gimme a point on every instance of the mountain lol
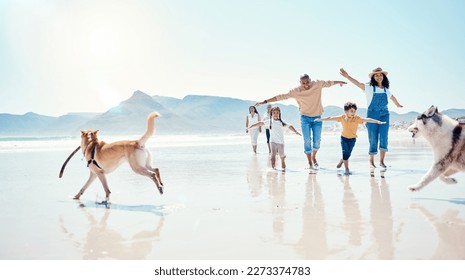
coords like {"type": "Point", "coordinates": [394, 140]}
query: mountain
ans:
{"type": "Point", "coordinates": [31, 124]}
{"type": "Point", "coordinates": [197, 114]}
{"type": "Point", "coordinates": [130, 117]}
{"type": "Point", "coordinates": [220, 114]}
{"type": "Point", "coordinates": [454, 113]}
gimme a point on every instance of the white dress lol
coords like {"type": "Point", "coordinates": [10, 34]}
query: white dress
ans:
{"type": "Point", "coordinates": [253, 132]}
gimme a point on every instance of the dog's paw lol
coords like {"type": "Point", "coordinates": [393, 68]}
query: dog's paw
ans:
{"type": "Point", "coordinates": [414, 188]}
{"type": "Point", "coordinates": [449, 180]}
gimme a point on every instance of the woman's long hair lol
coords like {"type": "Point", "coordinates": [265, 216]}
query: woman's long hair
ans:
{"type": "Point", "coordinates": [254, 110]}
{"type": "Point", "coordinates": [385, 81]}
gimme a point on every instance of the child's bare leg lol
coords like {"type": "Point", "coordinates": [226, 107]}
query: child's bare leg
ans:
{"type": "Point", "coordinates": [273, 161]}
{"type": "Point", "coordinates": [283, 162]}
{"type": "Point", "coordinates": [346, 166]}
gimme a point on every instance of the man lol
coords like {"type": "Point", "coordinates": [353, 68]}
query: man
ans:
{"type": "Point", "coordinates": [267, 116]}
{"type": "Point", "coordinates": [308, 97]}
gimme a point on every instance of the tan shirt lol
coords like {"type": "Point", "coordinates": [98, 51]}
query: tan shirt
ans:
{"type": "Point", "coordinates": [309, 100]}
{"type": "Point", "coordinates": [349, 125]}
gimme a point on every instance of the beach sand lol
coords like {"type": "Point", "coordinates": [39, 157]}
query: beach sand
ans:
{"type": "Point", "coordinates": [222, 202]}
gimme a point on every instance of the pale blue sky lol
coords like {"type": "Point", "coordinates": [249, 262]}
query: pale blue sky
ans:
{"type": "Point", "coordinates": [59, 56]}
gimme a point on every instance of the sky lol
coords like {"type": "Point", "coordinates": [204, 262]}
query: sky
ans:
{"type": "Point", "coordinates": [60, 56]}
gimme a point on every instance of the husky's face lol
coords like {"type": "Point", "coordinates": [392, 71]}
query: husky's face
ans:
{"type": "Point", "coordinates": [426, 122]}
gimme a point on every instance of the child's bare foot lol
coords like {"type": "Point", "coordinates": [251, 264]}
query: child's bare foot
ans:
{"type": "Point", "coordinates": [340, 164]}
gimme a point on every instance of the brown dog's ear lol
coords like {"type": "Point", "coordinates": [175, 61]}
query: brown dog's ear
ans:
{"type": "Point", "coordinates": [83, 132]}
{"type": "Point", "coordinates": [96, 131]}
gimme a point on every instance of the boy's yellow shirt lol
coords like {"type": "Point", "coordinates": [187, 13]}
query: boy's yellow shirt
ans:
{"type": "Point", "coordinates": [349, 125]}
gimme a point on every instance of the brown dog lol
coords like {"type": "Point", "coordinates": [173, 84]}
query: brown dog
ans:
{"type": "Point", "coordinates": [103, 158]}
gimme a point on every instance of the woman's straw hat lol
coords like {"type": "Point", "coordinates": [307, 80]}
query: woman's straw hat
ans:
{"type": "Point", "coordinates": [377, 70]}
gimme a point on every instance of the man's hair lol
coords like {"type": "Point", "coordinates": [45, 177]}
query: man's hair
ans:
{"type": "Point", "coordinates": [350, 105]}
{"type": "Point", "coordinates": [304, 77]}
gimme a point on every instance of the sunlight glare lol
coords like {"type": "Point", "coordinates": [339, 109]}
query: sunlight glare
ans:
{"type": "Point", "coordinates": [104, 43]}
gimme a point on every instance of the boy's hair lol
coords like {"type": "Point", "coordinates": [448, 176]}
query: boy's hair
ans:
{"type": "Point", "coordinates": [350, 105]}
{"type": "Point", "coordinates": [271, 115]}
{"type": "Point", "coordinates": [304, 77]}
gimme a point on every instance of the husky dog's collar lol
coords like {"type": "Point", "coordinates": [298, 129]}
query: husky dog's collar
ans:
{"type": "Point", "coordinates": [92, 155]}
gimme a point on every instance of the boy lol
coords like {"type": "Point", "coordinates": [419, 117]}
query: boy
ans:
{"type": "Point", "coordinates": [350, 122]}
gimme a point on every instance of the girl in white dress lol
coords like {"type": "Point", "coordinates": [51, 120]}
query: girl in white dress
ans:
{"type": "Point", "coordinates": [253, 117]}
{"type": "Point", "coordinates": [276, 126]}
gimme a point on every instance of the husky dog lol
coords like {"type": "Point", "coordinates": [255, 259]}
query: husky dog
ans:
{"type": "Point", "coordinates": [447, 138]}
{"type": "Point", "coordinates": [103, 158]}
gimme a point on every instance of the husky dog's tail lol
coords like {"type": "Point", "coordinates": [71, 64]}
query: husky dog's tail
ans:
{"type": "Point", "coordinates": [150, 128]}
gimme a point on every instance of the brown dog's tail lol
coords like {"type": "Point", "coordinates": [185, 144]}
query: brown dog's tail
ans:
{"type": "Point", "coordinates": [150, 128]}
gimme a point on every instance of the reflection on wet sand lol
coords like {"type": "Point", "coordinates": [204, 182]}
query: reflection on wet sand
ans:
{"type": "Point", "coordinates": [450, 231]}
{"type": "Point", "coordinates": [313, 242]}
{"type": "Point", "coordinates": [353, 217]}
{"type": "Point", "coordinates": [277, 190]}
{"type": "Point", "coordinates": [102, 242]}
{"type": "Point", "coordinates": [381, 220]}
{"type": "Point", "coordinates": [254, 177]}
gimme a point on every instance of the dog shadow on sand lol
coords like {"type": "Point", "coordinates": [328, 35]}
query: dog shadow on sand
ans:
{"type": "Point", "coordinates": [157, 210]}
{"type": "Point", "coordinates": [449, 227]}
{"type": "Point", "coordinates": [104, 240]}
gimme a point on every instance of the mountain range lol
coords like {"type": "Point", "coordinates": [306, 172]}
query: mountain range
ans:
{"type": "Point", "coordinates": [193, 114]}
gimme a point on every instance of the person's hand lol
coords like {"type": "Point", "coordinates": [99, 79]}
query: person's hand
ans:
{"type": "Point", "coordinates": [344, 73]}
{"type": "Point", "coordinates": [342, 83]}
{"type": "Point", "coordinates": [258, 104]}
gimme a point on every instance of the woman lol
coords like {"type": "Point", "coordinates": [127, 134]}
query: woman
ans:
{"type": "Point", "coordinates": [377, 93]}
{"type": "Point", "coordinates": [253, 117]}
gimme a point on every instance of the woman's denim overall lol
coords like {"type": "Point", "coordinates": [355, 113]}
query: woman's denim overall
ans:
{"type": "Point", "coordinates": [378, 110]}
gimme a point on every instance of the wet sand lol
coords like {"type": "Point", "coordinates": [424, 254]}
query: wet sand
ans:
{"type": "Point", "coordinates": [222, 202]}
